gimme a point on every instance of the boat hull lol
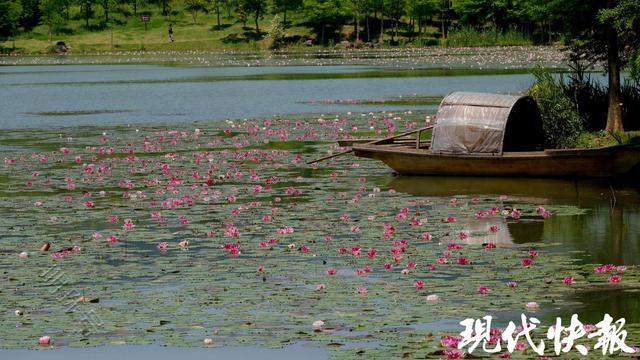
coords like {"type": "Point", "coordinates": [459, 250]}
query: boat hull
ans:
{"type": "Point", "coordinates": [613, 161]}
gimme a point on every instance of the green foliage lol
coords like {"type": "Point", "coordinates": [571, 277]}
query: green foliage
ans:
{"type": "Point", "coordinates": [560, 119]}
{"type": "Point", "coordinates": [193, 7]}
{"type": "Point", "coordinates": [10, 11]}
{"type": "Point", "coordinates": [257, 8]}
{"type": "Point", "coordinates": [51, 15]}
{"type": "Point", "coordinates": [634, 67]}
{"type": "Point", "coordinates": [468, 36]}
{"type": "Point", "coordinates": [276, 32]}
{"type": "Point", "coordinates": [327, 17]}
{"type": "Point", "coordinates": [591, 99]}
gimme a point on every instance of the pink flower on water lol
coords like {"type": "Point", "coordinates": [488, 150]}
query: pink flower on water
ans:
{"type": "Point", "coordinates": [362, 290]}
{"type": "Point", "coordinates": [89, 204]}
{"type": "Point", "coordinates": [451, 219]}
{"type": "Point", "coordinates": [526, 262]}
{"type": "Point", "coordinates": [332, 271]}
{"type": "Point", "coordinates": [372, 253]}
{"type": "Point", "coordinates": [483, 289]}
{"type": "Point", "coordinates": [304, 249]}
{"type": "Point", "coordinates": [112, 240]}
{"type": "Point", "coordinates": [568, 280]}
{"type": "Point", "coordinates": [418, 284]}
{"type": "Point", "coordinates": [163, 246]}
{"type": "Point", "coordinates": [489, 245]}
{"type": "Point", "coordinates": [426, 236]}
{"type": "Point", "coordinates": [494, 228]}
{"type": "Point", "coordinates": [450, 341]}
{"type": "Point", "coordinates": [44, 341]}
{"type": "Point", "coordinates": [320, 287]}
{"type": "Point", "coordinates": [463, 235]}
{"type": "Point", "coordinates": [516, 214]}
{"type": "Point", "coordinates": [128, 224]}
{"type": "Point", "coordinates": [512, 284]}
{"type": "Point", "coordinates": [355, 251]}
{"type": "Point", "coordinates": [463, 261]}
{"type": "Point", "coordinates": [388, 266]}
{"type": "Point", "coordinates": [615, 279]}
{"type": "Point", "coordinates": [345, 217]}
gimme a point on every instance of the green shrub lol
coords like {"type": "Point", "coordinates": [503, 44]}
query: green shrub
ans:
{"type": "Point", "coordinates": [560, 119]}
{"type": "Point", "coordinates": [468, 36]}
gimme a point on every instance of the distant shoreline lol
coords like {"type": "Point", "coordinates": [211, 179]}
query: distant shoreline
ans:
{"type": "Point", "coordinates": [488, 57]}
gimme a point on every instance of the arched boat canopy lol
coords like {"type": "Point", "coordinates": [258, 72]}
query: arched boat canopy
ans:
{"type": "Point", "coordinates": [487, 124]}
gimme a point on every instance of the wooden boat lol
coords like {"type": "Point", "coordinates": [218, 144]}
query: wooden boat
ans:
{"type": "Point", "coordinates": [494, 135]}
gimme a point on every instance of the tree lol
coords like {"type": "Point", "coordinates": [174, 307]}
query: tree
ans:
{"type": "Point", "coordinates": [422, 10]}
{"type": "Point", "coordinates": [604, 31]}
{"type": "Point", "coordinates": [193, 7]}
{"type": "Point", "coordinates": [51, 14]}
{"type": "Point", "coordinates": [10, 12]}
{"type": "Point", "coordinates": [106, 7]}
{"type": "Point", "coordinates": [327, 17]}
{"type": "Point", "coordinates": [359, 8]}
{"type": "Point", "coordinates": [86, 8]}
{"type": "Point", "coordinates": [446, 12]}
{"type": "Point", "coordinates": [30, 16]}
{"type": "Point", "coordinates": [622, 27]}
{"type": "Point", "coordinates": [217, 9]}
{"type": "Point", "coordinates": [257, 8]}
{"type": "Point", "coordinates": [286, 5]}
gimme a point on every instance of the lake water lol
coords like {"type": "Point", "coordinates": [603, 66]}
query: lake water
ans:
{"type": "Point", "coordinates": [44, 96]}
{"type": "Point", "coordinates": [607, 230]}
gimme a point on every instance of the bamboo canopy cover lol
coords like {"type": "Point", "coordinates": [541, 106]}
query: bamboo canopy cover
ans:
{"type": "Point", "coordinates": [487, 124]}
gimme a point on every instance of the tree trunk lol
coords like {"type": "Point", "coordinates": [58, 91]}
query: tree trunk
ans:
{"type": "Point", "coordinates": [357, 29]}
{"type": "Point", "coordinates": [218, 13]}
{"type": "Point", "coordinates": [368, 31]}
{"type": "Point", "coordinates": [105, 4]}
{"type": "Point", "coordinates": [614, 115]}
{"type": "Point", "coordinates": [257, 26]}
{"type": "Point", "coordinates": [382, 24]}
{"type": "Point", "coordinates": [87, 13]}
{"type": "Point", "coordinates": [135, 7]}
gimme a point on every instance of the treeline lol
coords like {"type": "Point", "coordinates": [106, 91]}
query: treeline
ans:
{"type": "Point", "coordinates": [541, 21]}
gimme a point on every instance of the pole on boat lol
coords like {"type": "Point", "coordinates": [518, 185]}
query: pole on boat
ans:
{"type": "Point", "coordinates": [329, 157]}
{"type": "Point", "coordinates": [376, 141]}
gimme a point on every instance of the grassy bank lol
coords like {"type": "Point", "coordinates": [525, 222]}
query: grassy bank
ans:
{"type": "Point", "coordinates": [125, 31]}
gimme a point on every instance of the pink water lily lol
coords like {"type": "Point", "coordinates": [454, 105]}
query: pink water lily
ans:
{"type": "Point", "coordinates": [163, 246]}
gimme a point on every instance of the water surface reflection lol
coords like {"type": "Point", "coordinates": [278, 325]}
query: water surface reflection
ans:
{"type": "Point", "coordinates": [607, 232]}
